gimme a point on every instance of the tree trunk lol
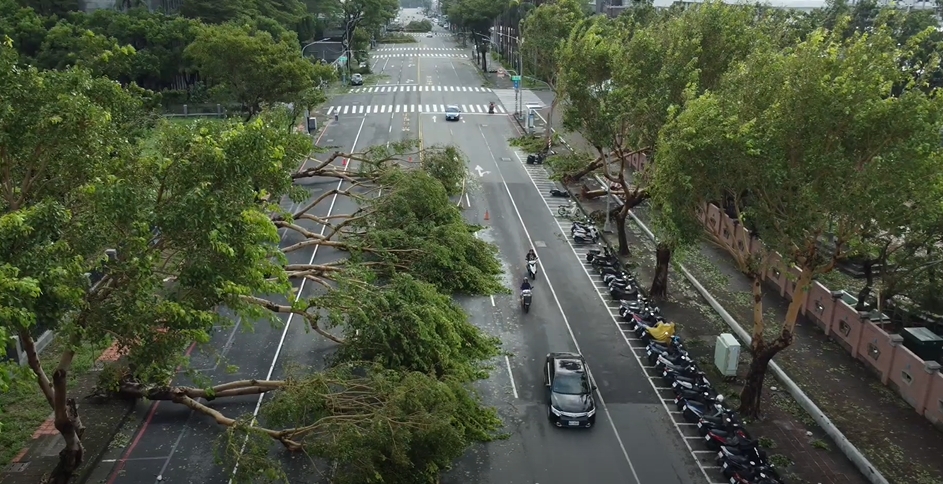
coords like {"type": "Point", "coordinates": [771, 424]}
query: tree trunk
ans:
{"type": "Point", "coordinates": [553, 106]}
{"type": "Point", "coordinates": [865, 292]}
{"type": "Point", "coordinates": [594, 165]}
{"type": "Point", "coordinates": [659, 287]}
{"type": "Point", "coordinates": [69, 424]}
{"type": "Point", "coordinates": [752, 393]}
{"type": "Point", "coordinates": [620, 230]}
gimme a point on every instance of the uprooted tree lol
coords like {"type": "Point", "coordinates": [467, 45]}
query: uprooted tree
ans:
{"type": "Point", "coordinates": [814, 151]}
{"type": "Point", "coordinates": [155, 230]}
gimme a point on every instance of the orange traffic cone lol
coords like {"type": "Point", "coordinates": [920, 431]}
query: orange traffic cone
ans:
{"type": "Point", "coordinates": [486, 215]}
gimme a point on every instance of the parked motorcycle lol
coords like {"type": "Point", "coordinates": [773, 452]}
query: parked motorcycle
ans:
{"type": "Point", "coordinates": [737, 447]}
{"type": "Point", "coordinates": [526, 297]}
{"type": "Point", "coordinates": [675, 359]}
{"type": "Point", "coordinates": [596, 254]}
{"type": "Point", "coordinates": [661, 333]}
{"type": "Point", "coordinates": [716, 438]}
{"type": "Point", "coordinates": [556, 192]}
{"type": "Point", "coordinates": [532, 269]}
{"type": "Point", "coordinates": [586, 237]}
{"type": "Point", "coordinates": [692, 409]}
{"type": "Point", "coordinates": [672, 348]}
{"type": "Point", "coordinates": [686, 397]}
{"type": "Point", "coordinates": [745, 469]}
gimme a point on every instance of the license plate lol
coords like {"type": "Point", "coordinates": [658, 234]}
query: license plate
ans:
{"type": "Point", "coordinates": [699, 425]}
{"type": "Point", "coordinates": [649, 352]}
{"type": "Point", "coordinates": [707, 437]}
{"type": "Point", "coordinates": [733, 481]}
{"type": "Point", "coordinates": [720, 454]}
{"type": "Point", "coordinates": [573, 423]}
{"type": "Point", "coordinates": [684, 408]}
{"type": "Point", "coordinates": [725, 465]}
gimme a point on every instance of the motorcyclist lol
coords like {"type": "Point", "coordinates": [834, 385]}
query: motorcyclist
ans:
{"type": "Point", "coordinates": [491, 108]}
{"type": "Point", "coordinates": [531, 255]}
{"type": "Point", "coordinates": [525, 286]}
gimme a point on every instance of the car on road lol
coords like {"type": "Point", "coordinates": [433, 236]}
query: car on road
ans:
{"type": "Point", "coordinates": [570, 401]}
{"type": "Point", "coordinates": [452, 113]}
{"type": "Point", "coordinates": [356, 80]}
{"type": "Point", "coordinates": [429, 35]}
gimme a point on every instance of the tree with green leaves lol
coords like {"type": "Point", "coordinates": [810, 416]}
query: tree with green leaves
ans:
{"type": "Point", "coordinates": [814, 152]}
{"type": "Point", "coordinates": [474, 18]}
{"type": "Point", "coordinates": [545, 31]}
{"type": "Point", "coordinates": [252, 67]}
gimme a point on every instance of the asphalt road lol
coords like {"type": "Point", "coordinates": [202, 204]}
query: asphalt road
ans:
{"type": "Point", "coordinates": [632, 441]}
{"type": "Point", "coordinates": [172, 444]}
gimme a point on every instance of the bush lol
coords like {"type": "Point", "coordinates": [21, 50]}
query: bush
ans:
{"type": "Point", "coordinates": [398, 38]}
{"type": "Point", "coordinates": [420, 26]}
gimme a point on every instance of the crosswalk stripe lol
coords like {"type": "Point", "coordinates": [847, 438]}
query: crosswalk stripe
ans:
{"type": "Point", "coordinates": [410, 108]}
{"type": "Point", "coordinates": [414, 88]}
{"type": "Point", "coordinates": [419, 54]}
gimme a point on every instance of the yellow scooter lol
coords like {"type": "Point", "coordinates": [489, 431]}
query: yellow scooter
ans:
{"type": "Point", "coordinates": [661, 333]}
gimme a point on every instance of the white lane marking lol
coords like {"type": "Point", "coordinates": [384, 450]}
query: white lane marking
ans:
{"type": "Point", "coordinates": [616, 321]}
{"type": "Point", "coordinates": [467, 200]}
{"type": "Point", "coordinates": [492, 301]}
{"type": "Point", "coordinates": [281, 341]}
{"type": "Point", "coordinates": [511, 374]}
{"type": "Point", "coordinates": [566, 322]}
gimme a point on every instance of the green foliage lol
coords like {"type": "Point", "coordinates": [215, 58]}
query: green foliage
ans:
{"type": "Point", "coordinates": [418, 26]}
{"type": "Point", "coordinates": [546, 29]}
{"type": "Point", "coordinates": [250, 66]}
{"type": "Point", "coordinates": [406, 325]}
{"type": "Point", "coordinates": [422, 233]}
{"type": "Point", "coordinates": [377, 425]}
{"type": "Point", "coordinates": [398, 38]}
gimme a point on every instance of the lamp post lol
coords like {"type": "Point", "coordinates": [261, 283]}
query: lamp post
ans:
{"type": "Point", "coordinates": [606, 228]}
{"type": "Point", "coordinates": [312, 43]}
{"type": "Point", "coordinates": [518, 97]}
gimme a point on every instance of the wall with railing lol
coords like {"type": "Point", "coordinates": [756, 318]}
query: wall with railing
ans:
{"type": "Point", "coordinates": [919, 382]}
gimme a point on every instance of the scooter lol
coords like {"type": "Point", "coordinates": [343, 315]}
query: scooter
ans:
{"type": "Point", "coordinates": [622, 276]}
{"type": "Point", "coordinates": [686, 397]}
{"type": "Point", "coordinates": [491, 108]}
{"type": "Point", "coordinates": [590, 237]}
{"type": "Point", "coordinates": [692, 410]}
{"type": "Point", "coordinates": [718, 437]}
{"type": "Point", "coordinates": [748, 468]}
{"type": "Point", "coordinates": [676, 359]}
{"type": "Point", "coordinates": [737, 447]}
{"type": "Point", "coordinates": [584, 227]}
{"type": "Point", "coordinates": [596, 254]}
{"type": "Point", "coordinates": [661, 332]}
{"type": "Point", "coordinates": [695, 381]}
{"type": "Point", "coordinates": [556, 192]}
{"type": "Point", "coordinates": [526, 297]}
{"type": "Point", "coordinates": [536, 159]}
{"type": "Point", "coordinates": [532, 269]}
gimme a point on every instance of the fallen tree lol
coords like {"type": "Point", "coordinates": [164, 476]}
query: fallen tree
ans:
{"type": "Point", "coordinates": [151, 235]}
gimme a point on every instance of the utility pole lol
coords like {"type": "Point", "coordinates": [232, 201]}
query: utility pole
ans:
{"type": "Point", "coordinates": [606, 227]}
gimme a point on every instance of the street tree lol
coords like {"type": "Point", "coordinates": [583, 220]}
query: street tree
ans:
{"type": "Point", "coordinates": [545, 31]}
{"type": "Point", "coordinates": [813, 151]}
{"type": "Point", "coordinates": [474, 18]}
{"type": "Point", "coordinates": [660, 68]}
{"type": "Point", "coordinates": [251, 66]}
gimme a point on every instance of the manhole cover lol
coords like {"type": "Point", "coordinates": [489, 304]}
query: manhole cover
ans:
{"type": "Point", "coordinates": [18, 467]}
{"type": "Point", "coordinates": [540, 243]}
{"type": "Point", "coordinates": [505, 158]}
{"type": "Point", "coordinates": [331, 140]}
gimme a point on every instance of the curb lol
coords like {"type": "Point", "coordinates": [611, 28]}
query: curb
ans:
{"type": "Point", "coordinates": [847, 448]}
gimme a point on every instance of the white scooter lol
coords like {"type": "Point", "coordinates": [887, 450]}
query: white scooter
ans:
{"type": "Point", "coordinates": [532, 269]}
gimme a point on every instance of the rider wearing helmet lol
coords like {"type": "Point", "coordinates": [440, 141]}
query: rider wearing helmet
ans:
{"type": "Point", "coordinates": [525, 286]}
{"type": "Point", "coordinates": [531, 255]}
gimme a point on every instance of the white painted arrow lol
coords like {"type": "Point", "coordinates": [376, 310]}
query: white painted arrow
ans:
{"type": "Point", "coordinates": [481, 171]}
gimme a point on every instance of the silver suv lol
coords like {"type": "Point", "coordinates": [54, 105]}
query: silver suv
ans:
{"type": "Point", "coordinates": [356, 80]}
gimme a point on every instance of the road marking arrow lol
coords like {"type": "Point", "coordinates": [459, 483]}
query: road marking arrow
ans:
{"type": "Point", "coordinates": [481, 171]}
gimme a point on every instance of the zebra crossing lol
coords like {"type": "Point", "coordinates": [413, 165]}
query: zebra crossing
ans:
{"type": "Point", "coordinates": [411, 108]}
{"type": "Point", "coordinates": [450, 49]}
{"type": "Point", "coordinates": [361, 90]}
{"type": "Point", "coordinates": [418, 54]}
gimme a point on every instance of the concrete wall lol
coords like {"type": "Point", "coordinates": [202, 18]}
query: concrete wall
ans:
{"type": "Point", "coordinates": [919, 382]}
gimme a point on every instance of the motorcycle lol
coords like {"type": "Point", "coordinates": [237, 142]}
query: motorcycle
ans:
{"type": "Point", "coordinates": [696, 381]}
{"type": "Point", "coordinates": [676, 359]}
{"type": "Point", "coordinates": [661, 333]}
{"type": "Point", "coordinates": [584, 227]}
{"type": "Point", "coordinates": [692, 410]}
{"type": "Point", "coordinates": [686, 371]}
{"type": "Point", "coordinates": [716, 438]}
{"type": "Point", "coordinates": [749, 469]}
{"type": "Point", "coordinates": [526, 297]}
{"type": "Point", "coordinates": [641, 323]}
{"type": "Point", "coordinates": [532, 269]}
{"type": "Point", "coordinates": [596, 254]}
{"type": "Point", "coordinates": [491, 108]}
{"type": "Point", "coordinates": [536, 159]}
{"type": "Point", "coordinates": [590, 237]}
{"type": "Point", "coordinates": [620, 277]}
{"type": "Point", "coordinates": [737, 447]}
{"type": "Point", "coordinates": [670, 349]}
{"type": "Point", "coordinates": [556, 192]}
{"type": "Point", "coordinates": [685, 397]}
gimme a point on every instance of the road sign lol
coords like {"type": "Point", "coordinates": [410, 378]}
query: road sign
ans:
{"type": "Point", "coordinates": [517, 82]}
{"type": "Point", "coordinates": [342, 60]}
{"type": "Point", "coordinates": [516, 78]}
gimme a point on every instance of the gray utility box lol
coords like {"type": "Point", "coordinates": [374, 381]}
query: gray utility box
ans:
{"type": "Point", "coordinates": [727, 354]}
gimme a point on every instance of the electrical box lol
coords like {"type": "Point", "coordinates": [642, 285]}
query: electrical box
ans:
{"type": "Point", "coordinates": [727, 354]}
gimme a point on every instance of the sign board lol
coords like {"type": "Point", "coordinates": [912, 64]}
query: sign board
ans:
{"type": "Point", "coordinates": [517, 82]}
{"type": "Point", "coordinates": [516, 78]}
{"type": "Point", "coordinates": [342, 60]}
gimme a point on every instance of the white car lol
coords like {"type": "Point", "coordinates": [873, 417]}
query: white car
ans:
{"type": "Point", "coordinates": [429, 35]}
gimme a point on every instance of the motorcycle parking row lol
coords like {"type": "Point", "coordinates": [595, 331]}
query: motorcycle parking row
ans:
{"type": "Point", "coordinates": [712, 434]}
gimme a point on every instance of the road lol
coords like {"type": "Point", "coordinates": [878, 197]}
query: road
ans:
{"type": "Point", "coordinates": [633, 440]}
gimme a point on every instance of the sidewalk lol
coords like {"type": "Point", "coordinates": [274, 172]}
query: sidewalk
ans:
{"type": "Point", "coordinates": [901, 444]}
{"type": "Point", "coordinates": [102, 420]}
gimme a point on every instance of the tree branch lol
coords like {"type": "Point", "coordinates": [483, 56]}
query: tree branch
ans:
{"type": "Point", "coordinates": [313, 319]}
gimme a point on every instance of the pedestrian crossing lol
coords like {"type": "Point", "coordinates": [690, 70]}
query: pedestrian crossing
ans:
{"type": "Point", "coordinates": [451, 49]}
{"type": "Point", "coordinates": [411, 108]}
{"type": "Point", "coordinates": [418, 54]}
{"type": "Point", "coordinates": [362, 90]}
